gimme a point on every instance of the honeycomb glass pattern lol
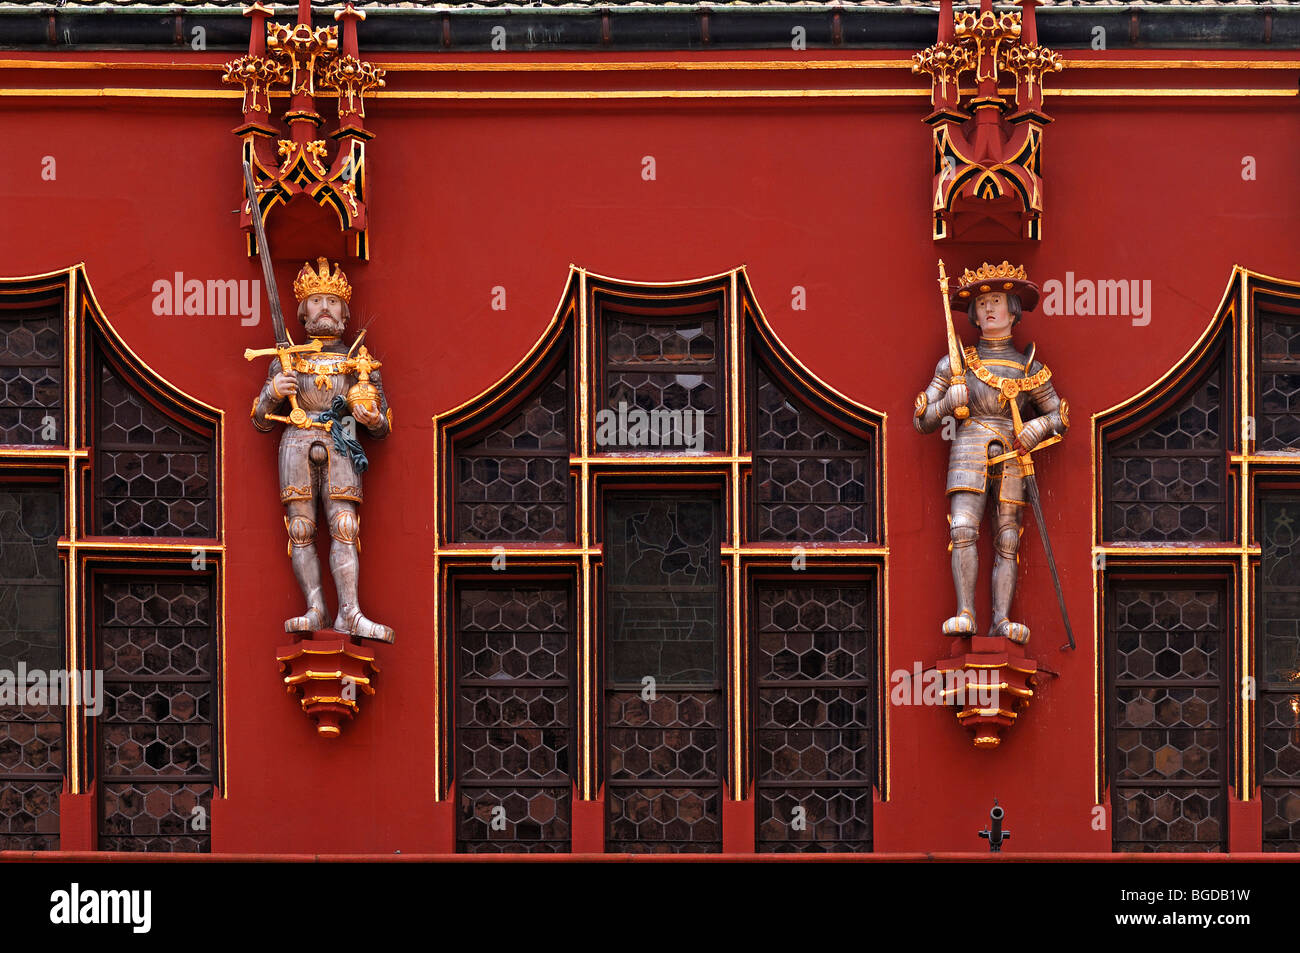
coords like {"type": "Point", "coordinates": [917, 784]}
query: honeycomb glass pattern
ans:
{"type": "Point", "coordinates": [1166, 482]}
{"type": "Point", "coordinates": [514, 719]}
{"type": "Point", "coordinates": [1168, 747]}
{"type": "Point", "coordinates": [663, 749]}
{"type": "Point", "coordinates": [1279, 384]}
{"type": "Point", "coordinates": [1279, 662]}
{"type": "Point", "coordinates": [815, 718]}
{"type": "Point", "coordinates": [661, 365]}
{"type": "Point", "coordinates": [154, 474]}
{"type": "Point", "coordinates": [31, 635]}
{"type": "Point", "coordinates": [31, 376]}
{"type": "Point", "coordinates": [811, 478]}
{"type": "Point", "coordinates": [157, 731]}
{"type": "Point", "coordinates": [512, 485]}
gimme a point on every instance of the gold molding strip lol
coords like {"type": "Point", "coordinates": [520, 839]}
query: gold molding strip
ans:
{"type": "Point", "coordinates": [678, 459]}
{"type": "Point", "coordinates": [739, 683]}
{"type": "Point", "coordinates": [641, 94]}
{"type": "Point", "coordinates": [1210, 549]}
{"type": "Point", "coordinates": [1257, 459]}
{"type": "Point", "coordinates": [1245, 637]}
{"type": "Point", "coordinates": [1112, 61]}
{"type": "Point", "coordinates": [141, 545]}
{"type": "Point", "coordinates": [72, 622]}
{"type": "Point", "coordinates": [767, 549]}
{"type": "Point", "coordinates": [587, 772]}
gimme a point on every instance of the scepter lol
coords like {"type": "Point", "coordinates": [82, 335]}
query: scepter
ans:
{"type": "Point", "coordinates": [955, 362]}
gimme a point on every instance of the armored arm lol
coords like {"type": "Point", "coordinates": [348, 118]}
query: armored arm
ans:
{"type": "Point", "coordinates": [266, 402]}
{"type": "Point", "coordinates": [933, 403]}
{"type": "Point", "coordinates": [1054, 413]}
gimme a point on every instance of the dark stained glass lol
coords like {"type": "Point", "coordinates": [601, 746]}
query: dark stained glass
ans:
{"type": "Point", "coordinates": [31, 376]}
{"type": "Point", "coordinates": [1278, 633]}
{"type": "Point", "coordinates": [157, 731]}
{"type": "Point", "coordinates": [1166, 482]}
{"type": "Point", "coordinates": [811, 478]}
{"type": "Point", "coordinates": [154, 474]}
{"type": "Point", "coordinates": [512, 484]}
{"type": "Point", "coordinates": [514, 718]}
{"type": "Point", "coordinates": [1168, 740]}
{"type": "Point", "coordinates": [815, 718]}
{"type": "Point", "coordinates": [1278, 404]}
{"type": "Point", "coordinates": [664, 364]}
{"type": "Point", "coordinates": [31, 635]}
{"type": "Point", "coordinates": [664, 711]}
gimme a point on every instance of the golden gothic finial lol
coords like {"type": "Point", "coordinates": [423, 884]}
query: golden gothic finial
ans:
{"type": "Point", "coordinates": [321, 281]}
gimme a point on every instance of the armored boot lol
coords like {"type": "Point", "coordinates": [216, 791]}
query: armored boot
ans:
{"type": "Point", "coordinates": [351, 620]}
{"type": "Point", "coordinates": [345, 527]}
{"type": "Point", "coordinates": [302, 553]}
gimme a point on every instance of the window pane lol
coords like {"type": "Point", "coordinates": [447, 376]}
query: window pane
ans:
{"type": "Point", "coordinates": [665, 367]}
{"type": "Point", "coordinates": [1168, 750]}
{"type": "Point", "coordinates": [31, 635]}
{"type": "Point", "coordinates": [811, 478]}
{"type": "Point", "coordinates": [1279, 667]}
{"type": "Point", "coordinates": [512, 484]}
{"type": "Point", "coordinates": [155, 474]}
{"type": "Point", "coordinates": [1279, 383]}
{"type": "Point", "coordinates": [1166, 482]}
{"type": "Point", "coordinates": [31, 374]}
{"type": "Point", "coordinates": [664, 706]}
{"type": "Point", "coordinates": [815, 718]}
{"type": "Point", "coordinates": [157, 763]}
{"type": "Point", "coordinates": [514, 718]}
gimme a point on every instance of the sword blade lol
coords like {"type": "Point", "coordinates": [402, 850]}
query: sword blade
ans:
{"type": "Point", "coordinates": [1031, 484]}
{"type": "Point", "coordinates": [264, 253]}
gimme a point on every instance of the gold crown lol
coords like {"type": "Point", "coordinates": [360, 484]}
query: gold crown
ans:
{"type": "Point", "coordinates": [321, 282]}
{"type": "Point", "coordinates": [987, 272]}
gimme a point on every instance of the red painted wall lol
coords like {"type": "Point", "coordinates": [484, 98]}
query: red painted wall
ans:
{"type": "Point", "coordinates": [830, 194]}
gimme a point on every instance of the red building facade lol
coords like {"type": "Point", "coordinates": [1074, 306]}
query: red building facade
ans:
{"type": "Point", "coordinates": [605, 644]}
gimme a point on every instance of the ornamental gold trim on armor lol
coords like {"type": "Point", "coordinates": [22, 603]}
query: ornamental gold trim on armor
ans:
{"type": "Point", "coordinates": [1007, 387]}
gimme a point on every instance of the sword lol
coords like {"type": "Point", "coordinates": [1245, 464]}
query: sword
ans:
{"type": "Point", "coordinates": [955, 362]}
{"type": "Point", "coordinates": [1031, 485]}
{"type": "Point", "coordinates": [284, 346]}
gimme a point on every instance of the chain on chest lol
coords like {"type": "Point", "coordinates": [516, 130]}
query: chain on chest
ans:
{"type": "Point", "coordinates": [323, 368]}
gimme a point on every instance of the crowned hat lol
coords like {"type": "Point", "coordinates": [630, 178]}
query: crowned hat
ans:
{"type": "Point", "coordinates": [321, 281]}
{"type": "Point", "coordinates": [1005, 278]}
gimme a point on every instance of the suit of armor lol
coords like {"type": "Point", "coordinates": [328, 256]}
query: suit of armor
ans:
{"type": "Point", "coordinates": [996, 375]}
{"type": "Point", "coordinates": [325, 466]}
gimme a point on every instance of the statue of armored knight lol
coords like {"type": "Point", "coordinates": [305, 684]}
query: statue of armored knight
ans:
{"type": "Point", "coordinates": [325, 382]}
{"type": "Point", "coordinates": [1003, 405]}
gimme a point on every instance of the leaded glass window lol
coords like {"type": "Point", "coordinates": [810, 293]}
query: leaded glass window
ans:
{"type": "Point", "coordinates": [815, 715]}
{"type": "Point", "coordinates": [155, 473]}
{"type": "Point", "coordinates": [811, 478]}
{"type": "Point", "coordinates": [1278, 406]}
{"type": "Point", "coordinates": [1278, 636]}
{"type": "Point", "coordinates": [32, 736]}
{"type": "Point", "coordinates": [1169, 658]}
{"type": "Point", "coordinates": [664, 706]}
{"type": "Point", "coordinates": [31, 368]}
{"type": "Point", "coordinates": [1167, 482]}
{"type": "Point", "coordinates": [659, 508]}
{"type": "Point", "coordinates": [157, 732]}
{"type": "Point", "coordinates": [512, 483]}
{"type": "Point", "coordinates": [514, 718]}
{"type": "Point", "coordinates": [664, 366]}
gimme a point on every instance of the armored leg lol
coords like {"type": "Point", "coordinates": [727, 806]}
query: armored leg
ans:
{"type": "Point", "coordinates": [306, 568]}
{"type": "Point", "coordinates": [964, 530]}
{"type": "Point", "coordinates": [345, 529]}
{"type": "Point", "coordinates": [1006, 562]}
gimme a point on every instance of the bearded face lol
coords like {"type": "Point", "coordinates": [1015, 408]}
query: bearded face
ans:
{"type": "Point", "coordinates": [323, 315]}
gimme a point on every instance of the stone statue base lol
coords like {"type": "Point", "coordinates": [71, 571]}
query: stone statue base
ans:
{"type": "Point", "coordinates": [329, 674]}
{"type": "Point", "coordinates": [989, 685]}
